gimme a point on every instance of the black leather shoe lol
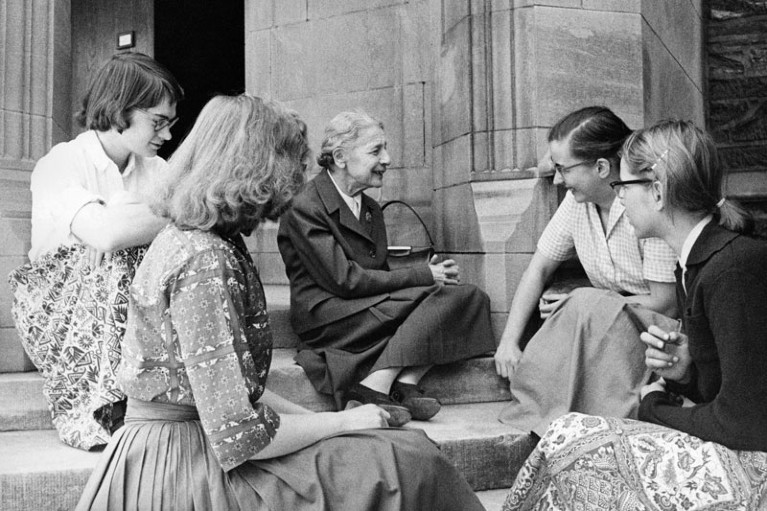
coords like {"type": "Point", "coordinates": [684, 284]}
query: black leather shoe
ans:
{"type": "Point", "coordinates": [359, 395]}
{"type": "Point", "coordinates": [421, 406]}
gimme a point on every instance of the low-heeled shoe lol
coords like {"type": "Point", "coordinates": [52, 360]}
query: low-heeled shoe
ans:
{"type": "Point", "coordinates": [359, 394]}
{"type": "Point", "coordinates": [421, 406]}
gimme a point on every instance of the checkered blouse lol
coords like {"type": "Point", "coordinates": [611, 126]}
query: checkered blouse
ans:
{"type": "Point", "coordinates": [616, 260]}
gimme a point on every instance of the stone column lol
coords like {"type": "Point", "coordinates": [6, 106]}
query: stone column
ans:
{"type": "Point", "coordinates": [34, 114]}
{"type": "Point", "coordinates": [508, 69]}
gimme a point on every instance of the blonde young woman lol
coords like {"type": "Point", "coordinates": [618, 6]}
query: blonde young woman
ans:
{"type": "Point", "coordinates": [701, 443]}
{"type": "Point", "coordinates": [201, 431]}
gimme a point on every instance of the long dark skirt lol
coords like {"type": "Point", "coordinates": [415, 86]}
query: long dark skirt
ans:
{"type": "Point", "coordinates": [427, 325]}
{"type": "Point", "coordinates": [152, 465]}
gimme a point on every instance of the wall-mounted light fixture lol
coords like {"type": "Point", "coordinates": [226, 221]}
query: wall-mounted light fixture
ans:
{"type": "Point", "coordinates": [126, 40]}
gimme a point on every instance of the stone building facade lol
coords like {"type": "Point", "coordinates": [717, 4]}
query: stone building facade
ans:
{"type": "Point", "coordinates": [467, 90]}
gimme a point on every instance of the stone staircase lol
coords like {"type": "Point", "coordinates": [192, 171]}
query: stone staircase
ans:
{"type": "Point", "coordinates": [38, 472]}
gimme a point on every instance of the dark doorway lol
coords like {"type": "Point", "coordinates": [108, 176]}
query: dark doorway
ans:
{"type": "Point", "coordinates": [203, 45]}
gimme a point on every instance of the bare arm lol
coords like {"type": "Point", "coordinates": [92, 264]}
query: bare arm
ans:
{"type": "Point", "coordinates": [299, 431]}
{"type": "Point", "coordinates": [111, 227]}
{"type": "Point", "coordinates": [662, 298]}
{"type": "Point", "coordinates": [281, 405]}
{"type": "Point", "coordinates": [522, 306]}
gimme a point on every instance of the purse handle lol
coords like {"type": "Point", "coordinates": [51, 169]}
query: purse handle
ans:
{"type": "Point", "coordinates": [408, 206]}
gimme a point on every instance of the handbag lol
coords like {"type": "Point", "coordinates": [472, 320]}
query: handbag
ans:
{"type": "Point", "coordinates": [409, 248]}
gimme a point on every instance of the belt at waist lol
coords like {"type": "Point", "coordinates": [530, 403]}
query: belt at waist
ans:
{"type": "Point", "coordinates": [139, 410]}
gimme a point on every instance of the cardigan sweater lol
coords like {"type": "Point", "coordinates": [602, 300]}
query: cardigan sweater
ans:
{"type": "Point", "coordinates": [724, 315]}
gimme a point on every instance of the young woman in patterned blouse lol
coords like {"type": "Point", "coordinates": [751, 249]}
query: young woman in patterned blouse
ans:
{"type": "Point", "coordinates": [201, 431]}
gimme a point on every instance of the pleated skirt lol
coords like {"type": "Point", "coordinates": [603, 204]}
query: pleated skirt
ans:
{"type": "Point", "coordinates": [153, 464]}
{"type": "Point", "coordinates": [428, 325]}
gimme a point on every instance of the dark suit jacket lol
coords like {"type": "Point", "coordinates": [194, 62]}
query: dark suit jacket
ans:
{"type": "Point", "coordinates": [337, 264]}
{"type": "Point", "coordinates": [725, 317]}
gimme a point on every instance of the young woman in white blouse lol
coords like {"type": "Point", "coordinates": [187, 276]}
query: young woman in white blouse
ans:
{"type": "Point", "coordinates": [89, 214]}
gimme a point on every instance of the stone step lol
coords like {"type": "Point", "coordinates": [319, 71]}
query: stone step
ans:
{"type": "Point", "coordinates": [467, 381]}
{"type": "Point", "coordinates": [23, 407]}
{"type": "Point", "coordinates": [278, 305]}
{"type": "Point", "coordinates": [492, 500]}
{"type": "Point", "coordinates": [39, 472]}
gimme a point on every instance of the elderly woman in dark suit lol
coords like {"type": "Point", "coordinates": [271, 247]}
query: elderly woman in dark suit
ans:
{"type": "Point", "coordinates": [370, 333]}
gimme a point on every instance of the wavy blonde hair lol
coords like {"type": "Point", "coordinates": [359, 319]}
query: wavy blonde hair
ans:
{"type": "Point", "coordinates": [242, 163]}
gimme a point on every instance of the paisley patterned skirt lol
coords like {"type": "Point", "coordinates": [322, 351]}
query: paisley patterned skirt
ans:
{"type": "Point", "coordinates": [71, 321]}
{"type": "Point", "coordinates": [587, 462]}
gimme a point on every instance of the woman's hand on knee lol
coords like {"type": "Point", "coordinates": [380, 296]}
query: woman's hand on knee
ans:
{"type": "Point", "coordinates": [447, 272]}
{"type": "Point", "coordinates": [506, 358]}
{"type": "Point", "coordinates": [548, 302]}
{"type": "Point", "coordinates": [363, 417]}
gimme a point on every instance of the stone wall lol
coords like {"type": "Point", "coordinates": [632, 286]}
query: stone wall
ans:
{"type": "Point", "coordinates": [325, 56]}
{"type": "Point", "coordinates": [737, 118]}
{"type": "Point", "coordinates": [34, 115]}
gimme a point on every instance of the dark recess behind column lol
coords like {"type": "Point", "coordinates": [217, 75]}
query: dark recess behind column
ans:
{"type": "Point", "coordinates": [203, 44]}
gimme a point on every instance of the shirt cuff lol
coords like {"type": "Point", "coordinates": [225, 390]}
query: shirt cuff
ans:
{"type": "Point", "coordinates": [235, 445]}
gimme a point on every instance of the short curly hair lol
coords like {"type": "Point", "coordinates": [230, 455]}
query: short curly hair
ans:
{"type": "Point", "coordinates": [127, 81]}
{"type": "Point", "coordinates": [342, 130]}
{"type": "Point", "coordinates": [242, 163]}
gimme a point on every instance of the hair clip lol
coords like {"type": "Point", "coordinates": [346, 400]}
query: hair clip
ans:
{"type": "Point", "coordinates": [660, 159]}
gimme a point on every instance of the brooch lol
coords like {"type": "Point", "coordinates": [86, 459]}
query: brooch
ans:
{"type": "Point", "coordinates": [368, 216]}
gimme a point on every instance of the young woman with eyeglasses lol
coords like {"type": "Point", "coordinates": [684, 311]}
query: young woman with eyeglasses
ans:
{"type": "Point", "coordinates": [586, 356]}
{"type": "Point", "coordinates": [89, 214]}
{"type": "Point", "coordinates": [700, 442]}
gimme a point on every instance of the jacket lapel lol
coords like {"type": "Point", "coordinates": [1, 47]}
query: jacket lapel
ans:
{"type": "Point", "coordinates": [333, 202]}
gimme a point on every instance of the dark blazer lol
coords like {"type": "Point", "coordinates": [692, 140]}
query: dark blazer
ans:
{"type": "Point", "coordinates": [337, 264]}
{"type": "Point", "coordinates": [725, 317]}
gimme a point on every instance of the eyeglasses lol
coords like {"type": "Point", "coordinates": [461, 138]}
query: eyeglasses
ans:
{"type": "Point", "coordinates": [561, 169]}
{"type": "Point", "coordinates": [619, 187]}
{"type": "Point", "coordinates": [160, 121]}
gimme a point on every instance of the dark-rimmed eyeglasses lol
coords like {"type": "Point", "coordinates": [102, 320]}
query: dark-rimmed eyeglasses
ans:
{"type": "Point", "coordinates": [562, 169]}
{"type": "Point", "coordinates": [160, 121]}
{"type": "Point", "coordinates": [619, 187]}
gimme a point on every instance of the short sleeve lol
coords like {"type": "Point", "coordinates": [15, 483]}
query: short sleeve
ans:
{"type": "Point", "coordinates": [556, 242]}
{"type": "Point", "coordinates": [658, 260]}
{"type": "Point", "coordinates": [225, 378]}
